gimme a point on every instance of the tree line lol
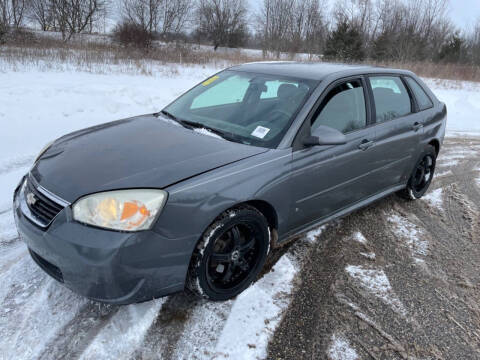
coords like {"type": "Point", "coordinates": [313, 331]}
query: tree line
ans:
{"type": "Point", "coordinates": [351, 30]}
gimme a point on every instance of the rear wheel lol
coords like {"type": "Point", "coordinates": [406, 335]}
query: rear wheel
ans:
{"type": "Point", "coordinates": [230, 254]}
{"type": "Point", "coordinates": [422, 175]}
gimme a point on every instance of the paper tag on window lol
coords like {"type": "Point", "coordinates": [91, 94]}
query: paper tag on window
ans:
{"type": "Point", "coordinates": [260, 132]}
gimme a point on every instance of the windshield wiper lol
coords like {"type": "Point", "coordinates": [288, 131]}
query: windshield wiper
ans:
{"type": "Point", "coordinates": [198, 125]}
{"type": "Point", "coordinates": [169, 115]}
{"type": "Point", "coordinates": [174, 118]}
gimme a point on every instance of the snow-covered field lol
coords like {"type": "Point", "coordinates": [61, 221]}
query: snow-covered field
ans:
{"type": "Point", "coordinates": [38, 106]}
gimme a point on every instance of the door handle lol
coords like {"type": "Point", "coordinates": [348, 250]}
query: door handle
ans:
{"type": "Point", "coordinates": [365, 144]}
{"type": "Point", "coordinates": [417, 126]}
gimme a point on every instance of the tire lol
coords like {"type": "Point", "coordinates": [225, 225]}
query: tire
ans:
{"type": "Point", "coordinates": [422, 175]}
{"type": "Point", "coordinates": [230, 254]}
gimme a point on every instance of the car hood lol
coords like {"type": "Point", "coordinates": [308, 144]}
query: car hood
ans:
{"type": "Point", "coordinates": [141, 152]}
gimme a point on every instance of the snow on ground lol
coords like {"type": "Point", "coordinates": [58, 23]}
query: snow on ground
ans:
{"type": "Point", "coordinates": [314, 234]}
{"type": "Point", "coordinates": [453, 156]}
{"type": "Point", "coordinates": [443, 173]}
{"type": "Point", "coordinates": [340, 349]}
{"type": "Point", "coordinates": [376, 282]}
{"type": "Point", "coordinates": [39, 106]}
{"type": "Point", "coordinates": [413, 236]}
{"type": "Point", "coordinates": [242, 328]}
{"type": "Point", "coordinates": [358, 236]}
{"type": "Point", "coordinates": [435, 198]}
{"type": "Point", "coordinates": [369, 255]}
{"type": "Point", "coordinates": [34, 308]}
{"type": "Point", "coordinates": [463, 104]}
{"type": "Point", "coordinates": [125, 332]}
{"type": "Point", "coordinates": [255, 315]}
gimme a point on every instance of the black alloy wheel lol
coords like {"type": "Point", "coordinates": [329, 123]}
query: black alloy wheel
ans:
{"type": "Point", "coordinates": [230, 255]}
{"type": "Point", "coordinates": [422, 175]}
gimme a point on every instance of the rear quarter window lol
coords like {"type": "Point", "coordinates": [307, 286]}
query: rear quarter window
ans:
{"type": "Point", "coordinates": [391, 97]}
{"type": "Point", "coordinates": [423, 100]}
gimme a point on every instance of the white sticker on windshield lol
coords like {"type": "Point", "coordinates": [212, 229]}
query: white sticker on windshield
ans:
{"type": "Point", "coordinates": [260, 132]}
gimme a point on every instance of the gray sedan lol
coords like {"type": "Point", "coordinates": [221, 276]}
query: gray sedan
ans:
{"type": "Point", "coordinates": [195, 196]}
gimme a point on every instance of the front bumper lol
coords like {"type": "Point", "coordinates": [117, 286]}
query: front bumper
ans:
{"type": "Point", "coordinates": [103, 265]}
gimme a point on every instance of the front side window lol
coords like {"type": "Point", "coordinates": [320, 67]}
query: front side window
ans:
{"type": "Point", "coordinates": [245, 107]}
{"type": "Point", "coordinates": [343, 108]}
{"type": "Point", "coordinates": [391, 97]}
{"type": "Point", "coordinates": [423, 100]}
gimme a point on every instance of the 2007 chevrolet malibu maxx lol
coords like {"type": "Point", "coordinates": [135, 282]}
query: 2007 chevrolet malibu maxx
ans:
{"type": "Point", "coordinates": [196, 195]}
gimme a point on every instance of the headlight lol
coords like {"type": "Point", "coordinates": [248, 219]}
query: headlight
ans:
{"type": "Point", "coordinates": [45, 148]}
{"type": "Point", "coordinates": [125, 210]}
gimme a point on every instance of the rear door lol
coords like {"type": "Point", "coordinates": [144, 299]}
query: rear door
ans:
{"type": "Point", "coordinates": [326, 179]}
{"type": "Point", "coordinates": [398, 130]}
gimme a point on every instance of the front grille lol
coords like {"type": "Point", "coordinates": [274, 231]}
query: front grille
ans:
{"type": "Point", "coordinates": [41, 204]}
{"type": "Point", "coordinates": [46, 266]}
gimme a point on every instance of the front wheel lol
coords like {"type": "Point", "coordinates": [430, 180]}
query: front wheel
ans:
{"type": "Point", "coordinates": [230, 254]}
{"type": "Point", "coordinates": [422, 175]}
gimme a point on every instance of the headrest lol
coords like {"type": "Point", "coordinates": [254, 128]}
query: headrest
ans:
{"type": "Point", "coordinates": [383, 91]}
{"type": "Point", "coordinates": [286, 91]}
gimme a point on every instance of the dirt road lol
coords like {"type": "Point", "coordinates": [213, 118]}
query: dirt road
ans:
{"type": "Point", "coordinates": [397, 280]}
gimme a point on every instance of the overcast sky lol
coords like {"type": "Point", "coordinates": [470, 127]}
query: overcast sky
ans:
{"type": "Point", "coordinates": [465, 12]}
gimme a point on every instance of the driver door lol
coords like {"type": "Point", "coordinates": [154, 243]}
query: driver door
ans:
{"type": "Point", "coordinates": [327, 179]}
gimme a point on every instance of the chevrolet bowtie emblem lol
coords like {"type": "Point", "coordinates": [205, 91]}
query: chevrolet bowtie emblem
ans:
{"type": "Point", "coordinates": [31, 199]}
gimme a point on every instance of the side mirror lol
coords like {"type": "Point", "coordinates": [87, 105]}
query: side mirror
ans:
{"type": "Point", "coordinates": [324, 135]}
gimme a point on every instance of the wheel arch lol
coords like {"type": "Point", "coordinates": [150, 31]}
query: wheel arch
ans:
{"type": "Point", "coordinates": [436, 144]}
{"type": "Point", "coordinates": [266, 209]}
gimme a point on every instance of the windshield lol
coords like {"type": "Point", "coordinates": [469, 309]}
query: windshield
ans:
{"type": "Point", "coordinates": [250, 108]}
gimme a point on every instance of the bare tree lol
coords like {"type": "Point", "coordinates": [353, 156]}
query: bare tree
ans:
{"type": "Point", "coordinates": [41, 13]}
{"type": "Point", "coordinates": [75, 16]}
{"type": "Point", "coordinates": [163, 16]}
{"type": "Point", "coordinates": [145, 13]}
{"type": "Point", "coordinates": [357, 13]}
{"type": "Point", "coordinates": [274, 24]}
{"type": "Point", "coordinates": [175, 14]}
{"type": "Point", "coordinates": [19, 10]}
{"type": "Point", "coordinates": [12, 13]}
{"type": "Point", "coordinates": [308, 27]}
{"type": "Point", "coordinates": [398, 29]}
{"type": "Point", "coordinates": [292, 26]}
{"type": "Point", "coordinates": [223, 22]}
{"type": "Point", "coordinates": [4, 15]}
{"type": "Point", "coordinates": [474, 43]}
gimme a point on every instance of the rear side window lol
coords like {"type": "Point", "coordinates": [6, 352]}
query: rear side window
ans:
{"type": "Point", "coordinates": [423, 100]}
{"type": "Point", "coordinates": [391, 97]}
{"type": "Point", "coordinates": [343, 108]}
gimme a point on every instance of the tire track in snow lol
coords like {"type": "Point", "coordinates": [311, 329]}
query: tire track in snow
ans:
{"type": "Point", "coordinates": [124, 333]}
{"type": "Point", "coordinates": [34, 309]}
{"type": "Point", "coordinates": [76, 335]}
{"type": "Point", "coordinates": [162, 337]}
{"type": "Point", "coordinates": [10, 254]}
{"type": "Point", "coordinates": [188, 328]}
